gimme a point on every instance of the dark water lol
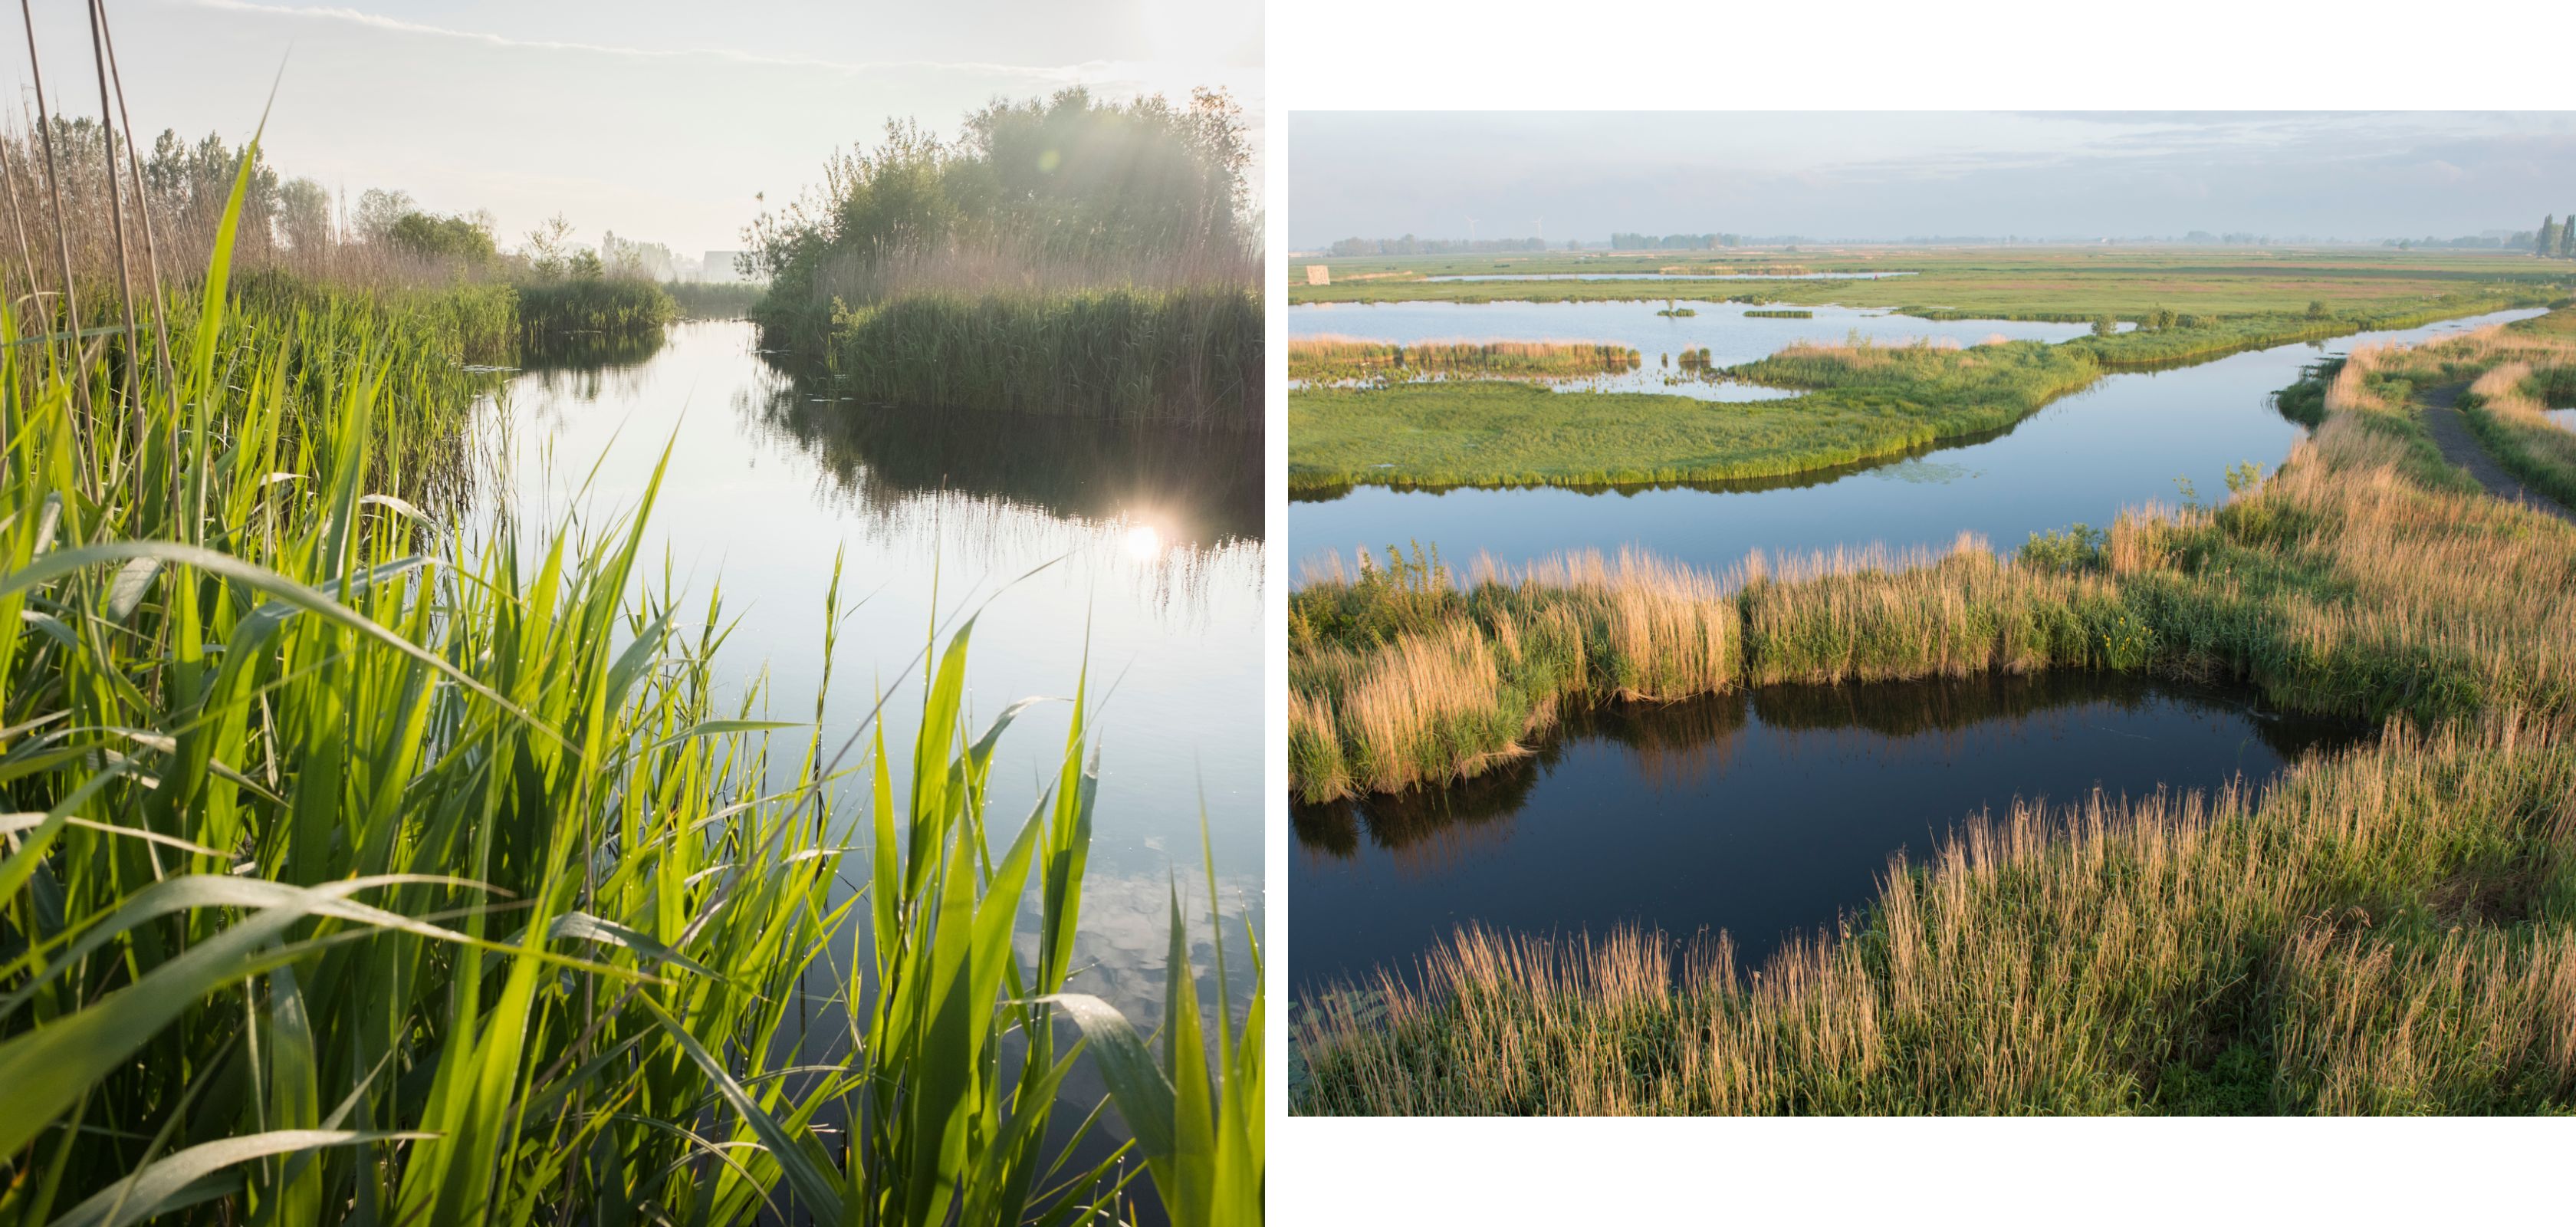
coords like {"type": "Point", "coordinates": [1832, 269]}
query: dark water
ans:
{"type": "Point", "coordinates": [1762, 815]}
{"type": "Point", "coordinates": [1147, 550]}
{"type": "Point", "coordinates": [2121, 443]}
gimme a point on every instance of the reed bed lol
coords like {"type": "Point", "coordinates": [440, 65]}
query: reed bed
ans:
{"type": "Point", "coordinates": [1346, 358]}
{"type": "Point", "coordinates": [2367, 578]}
{"type": "Point", "coordinates": [1061, 256]}
{"type": "Point", "coordinates": [1780, 313]}
{"type": "Point", "coordinates": [2380, 932]}
{"type": "Point", "coordinates": [713, 300]}
{"type": "Point", "coordinates": [357, 869]}
{"type": "Point", "coordinates": [1190, 357]}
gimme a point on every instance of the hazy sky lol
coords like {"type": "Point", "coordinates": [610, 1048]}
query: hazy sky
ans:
{"type": "Point", "coordinates": [657, 121]}
{"type": "Point", "coordinates": [1891, 175]}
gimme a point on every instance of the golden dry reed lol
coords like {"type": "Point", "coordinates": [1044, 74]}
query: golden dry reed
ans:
{"type": "Point", "coordinates": [2364, 938]}
{"type": "Point", "coordinates": [2387, 930]}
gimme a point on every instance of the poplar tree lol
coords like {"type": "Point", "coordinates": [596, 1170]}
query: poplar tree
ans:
{"type": "Point", "coordinates": [2548, 235]}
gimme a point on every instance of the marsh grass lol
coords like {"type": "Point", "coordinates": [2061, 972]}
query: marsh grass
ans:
{"type": "Point", "coordinates": [1863, 402]}
{"type": "Point", "coordinates": [2368, 578]}
{"type": "Point", "coordinates": [550, 310]}
{"type": "Point", "coordinates": [1187, 356]}
{"type": "Point", "coordinates": [2380, 932]}
{"type": "Point", "coordinates": [1345, 358]}
{"type": "Point", "coordinates": [2383, 931]}
{"type": "Point", "coordinates": [712, 300]}
{"type": "Point", "coordinates": [353, 870]}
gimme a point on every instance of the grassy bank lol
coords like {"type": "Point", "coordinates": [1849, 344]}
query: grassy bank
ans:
{"type": "Point", "coordinates": [2515, 375]}
{"type": "Point", "coordinates": [1344, 358]}
{"type": "Point", "coordinates": [2368, 579]}
{"type": "Point", "coordinates": [2382, 932]}
{"type": "Point", "coordinates": [1184, 356]}
{"type": "Point", "coordinates": [1867, 402]}
{"type": "Point", "coordinates": [353, 870]}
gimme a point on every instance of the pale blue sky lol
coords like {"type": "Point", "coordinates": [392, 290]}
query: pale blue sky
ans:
{"type": "Point", "coordinates": [1891, 175]}
{"type": "Point", "coordinates": [658, 121]}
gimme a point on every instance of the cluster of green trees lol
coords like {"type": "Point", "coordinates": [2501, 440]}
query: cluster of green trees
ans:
{"type": "Point", "coordinates": [1624, 241]}
{"type": "Point", "coordinates": [2556, 238]}
{"type": "Point", "coordinates": [1411, 246]}
{"type": "Point", "coordinates": [1066, 178]}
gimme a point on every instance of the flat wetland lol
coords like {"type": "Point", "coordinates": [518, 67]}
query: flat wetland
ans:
{"type": "Point", "coordinates": [1764, 814]}
{"type": "Point", "coordinates": [2165, 712]}
{"type": "Point", "coordinates": [2132, 439]}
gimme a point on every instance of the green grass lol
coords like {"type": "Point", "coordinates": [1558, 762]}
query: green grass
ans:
{"type": "Point", "coordinates": [1500, 433]}
{"type": "Point", "coordinates": [712, 300]}
{"type": "Point", "coordinates": [1334, 358]}
{"type": "Point", "coordinates": [570, 308]}
{"type": "Point", "coordinates": [358, 871]}
{"type": "Point", "coordinates": [1184, 356]}
{"type": "Point", "coordinates": [1798, 313]}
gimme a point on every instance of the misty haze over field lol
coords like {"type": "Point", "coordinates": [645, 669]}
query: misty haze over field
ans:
{"type": "Point", "coordinates": [1583, 175]}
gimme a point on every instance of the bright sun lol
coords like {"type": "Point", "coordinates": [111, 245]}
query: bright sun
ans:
{"type": "Point", "coordinates": [1144, 541]}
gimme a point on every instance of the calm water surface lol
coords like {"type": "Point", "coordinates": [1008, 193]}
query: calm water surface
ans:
{"type": "Point", "coordinates": [1762, 815]}
{"type": "Point", "coordinates": [2121, 443]}
{"type": "Point", "coordinates": [1147, 552]}
{"type": "Point", "coordinates": [1722, 328]}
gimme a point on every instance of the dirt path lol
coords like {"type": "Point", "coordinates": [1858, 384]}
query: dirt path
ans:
{"type": "Point", "coordinates": [2450, 431]}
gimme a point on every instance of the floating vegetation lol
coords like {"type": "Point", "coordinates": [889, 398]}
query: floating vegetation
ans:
{"type": "Point", "coordinates": [1780, 313]}
{"type": "Point", "coordinates": [1347, 358]}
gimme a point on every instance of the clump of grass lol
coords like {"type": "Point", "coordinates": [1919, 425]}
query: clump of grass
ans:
{"type": "Point", "coordinates": [1780, 313]}
{"type": "Point", "coordinates": [1185, 356]}
{"type": "Point", "coordinates": [713, 300]}
{"type": "Point", "coordinates": [555, 309]}
{"type": "Point", "coordinates": [1348, 358]}
{"type": "Point", "coordinates": [2380, 932]}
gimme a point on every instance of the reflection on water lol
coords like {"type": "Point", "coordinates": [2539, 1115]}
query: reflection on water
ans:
{"type": "Point", "coordinates": [1145, 548]}
{"type": "Point", "coordinates": [1722, 328]}
{"type": "Point", "coordinates": [2129, 440]}
{"type": "Point", "coordinates": [1188, 502]}
{"type": "Point", "coordinates": [1762, 814]}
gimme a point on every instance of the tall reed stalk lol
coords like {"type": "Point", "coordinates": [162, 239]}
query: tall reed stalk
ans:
{"type": "Point", "coordinates": [353, 869]}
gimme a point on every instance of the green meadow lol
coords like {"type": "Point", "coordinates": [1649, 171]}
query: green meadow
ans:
{"type": "Point", "coordinates": [1859, 402]}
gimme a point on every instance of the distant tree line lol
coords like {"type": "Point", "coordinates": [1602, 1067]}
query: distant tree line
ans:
{"type": "Point", "coordinates": [1627, 241]}
{"type": "Point", "coordinates": [1411, 246]}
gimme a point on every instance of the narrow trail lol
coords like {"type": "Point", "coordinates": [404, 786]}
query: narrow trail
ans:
{"type": "Point", "coordinates": [2450, 431]}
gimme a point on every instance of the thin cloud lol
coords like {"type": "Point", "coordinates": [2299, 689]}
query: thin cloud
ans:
{"type": "Point", "coordinates": [1059, 73]}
